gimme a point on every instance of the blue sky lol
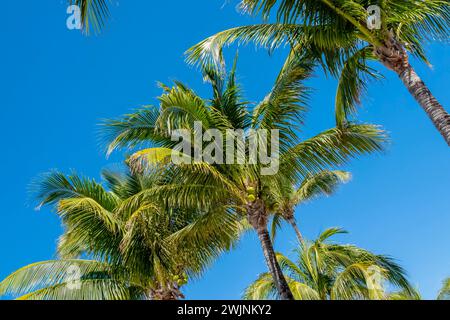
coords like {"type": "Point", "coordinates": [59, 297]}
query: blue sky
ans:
{"type": "Point", "coordinates": [56, 85]}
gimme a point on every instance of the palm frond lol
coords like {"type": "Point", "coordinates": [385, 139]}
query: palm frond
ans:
{"type": "Point", "coordinates": [262, 289]}
{"type": "Point", "coordinates": [405, 295]}
{"type": "Point", "coordinates": [89, 290]}
{"type": "Point", "coordinates": [323, 183]}
{"type": "Point", "coordinates": [269, 37]}
{"type": "Point", "coordinates": [444, 293]}
{"type": "Point", "coordinates": [283, 107]}
{"type": "Point", "coordinates": [49, 273]}
{"type": "Point", "coordinates": [134, 129]}
{"type": "Point", "coordinates": [333, 147]}
{"type": "Point", "coordinates": [94, 14]}
{"type": "Point", "coordinates": [353, 81]}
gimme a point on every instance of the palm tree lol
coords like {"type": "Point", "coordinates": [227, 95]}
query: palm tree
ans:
{"type": "Point", "coordinates": [339, 35]}
{"type": "Point", "coordinates": [138, 249]}
{"type": "Point", "coordinates": [322, 183]}
{"type": "Point", "coordinates": [329, 271]}
{"type": "Point", "coordinates": [444, 293]}
{"type": "Point", "coordinates": [238, 188]}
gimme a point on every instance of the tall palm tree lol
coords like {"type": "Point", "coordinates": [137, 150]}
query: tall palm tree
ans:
{"type": "Point", "coordinates": [239, 188]}
{"type": "Point", "coordinates": [137, 249]}
{"type": "Point", "coordinates": [315, 185]}
{"type": "Point", "coordinates": [330, 271]}
{"type": "Point", "coordinates": [339, 34]}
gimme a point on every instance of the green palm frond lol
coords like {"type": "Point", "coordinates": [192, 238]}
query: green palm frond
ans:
{"type": "Point", "coordinates": [94, 14]}
{"type": "Point", "coordinates": [52, 187]}
{"type": "Point", "coordinates": [125, 184]}
{"type": "Point", "coordinates": [134, 129]}
{"type": "Point", "coordinates": [227, 100]}
{"type": "Point", "coordinates": [277, 221]}
{"type": "Point", "coordinates": [270, 37]}
{"type": "Point", "coordinates": [291, 10]}
{"type": "Point", "coordinates": [405, 295]}
{"type": "Point", "coordinates": [33, 280]}
{"type": "Point", "coordinates": [329, 233]}
{"type": "Point", "coordinates": [289, 267]}
{"type": "Point", "coordinates": [415, 22]}
{"type": "Point", "coordinates": [262, 289]}
{"type": "Point", "coordinates": [80, 212]}
{"type": "Point", "coordinates": [210, 235]}
{"type": "Point", "coordinates": [323, 183]}
{"type": "Point", "coordinates": [181, 107]}
{"type": "Point", "coordinates": [283, 108]}
{"type": "Point", "coordinates": [444, 293]}
{"type": "Point", "coordinates": [333, 148]}
{"type": "Point", "coordinates": [353, 80]}
{"type": "Point", "coordinates": [351, 283]}
{"type": "Point", "coordinates": [89, 290]}
{"type": "Point", "coordinates": [302, 291]}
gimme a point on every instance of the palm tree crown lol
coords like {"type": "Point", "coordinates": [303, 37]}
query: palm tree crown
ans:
{"type": "Point", "coordinates": [323, 183]}
{"type": "Point", "coordinates": [140, 249]}
{"type": "Point", "coordinates": [329, 271]}
{"type": "Point", "coordinates": [337, 34]}
{"type": "Point", "coordinates": [239, 188]}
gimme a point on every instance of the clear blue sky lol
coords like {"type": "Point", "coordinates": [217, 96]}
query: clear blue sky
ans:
{"type": "Point", "coordinates": [56, 85]}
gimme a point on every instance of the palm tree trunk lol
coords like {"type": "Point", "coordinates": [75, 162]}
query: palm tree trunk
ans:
{"type": "Point", "coordinates": [272, 263]}
{"type": "Point", "coordinates": [420, 92]}
{"type": "Point", "coordinates": [171, 293]}
{"type": "Point", "coordinates": [297, 230]}
{"type": "Point", "coordinates": [395, 57]}
{"type": "Point", "coordinates": [257, 217]}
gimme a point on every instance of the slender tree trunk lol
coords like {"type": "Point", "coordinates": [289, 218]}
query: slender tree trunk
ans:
{"type": "Point", "coordinates": [297, 230]}
{"type": "Point", "coordinates": [434, 110]}
{"type": "Point", "coordinates": [274, 267]}
{"type": "Point", "coordinates": [395, 57]}
{"type": "Point", "coordinates": [257, 217]}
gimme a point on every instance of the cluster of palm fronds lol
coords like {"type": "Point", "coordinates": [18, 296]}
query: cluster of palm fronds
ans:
{"type": "Point", "coordinates": [137, 248]}
{"type": "Point", "coordinates": [336, 34]}
{"type": "Point", "coordinates": [160, 222]}
{"type": "Point", "coordinates": [146, 230]}
{"type": "Point", "coordinates": [325, 270]}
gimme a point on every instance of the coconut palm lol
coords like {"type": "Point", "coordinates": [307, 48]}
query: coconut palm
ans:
{"type": "Point", "coordinates": [242, 187]}
{"type": "Point", "coordinates": [137, 249]}
{"type": "Point", "coordinates": [343, 37]}
{"type": "Point", "coordinates": [328, 271]}
{"type": "Point", "coordinates": [315, 185]}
